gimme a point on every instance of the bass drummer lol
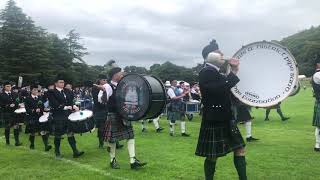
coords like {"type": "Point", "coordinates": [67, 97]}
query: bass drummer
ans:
{"type": "Point", "coordinates": [34, 105]}
{"type": "Point", "coordinates": [117, 128]}
{"type": "Point", "coordinates": [62, 104]}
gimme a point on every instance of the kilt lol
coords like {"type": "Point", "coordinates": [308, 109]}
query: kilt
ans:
{"type": "Point", "coordinates": [316, 114]}
{"type": "Point", "coordinates": [60, 123]}
{"type": "Point", "coordinates": [32, 127]}
{"type": "Point", "coordinates": [216, 139]}
{"type": "Point", "coordinates": [243, 114]}
{"type": "Point", "coordinates": [115, 130]}
{"type": "Point", "coordinates": [100, 118]}
{"type": "Point", "coordinates": [8, 119]}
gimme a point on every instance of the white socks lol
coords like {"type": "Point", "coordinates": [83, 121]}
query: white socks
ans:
{"type": "Point", "coordinates": [183, 127]}
{"type": "Point", "coordinates": [172, 127]}
{"type": "Point", "coordinates": [112, 151]}
{"type": "Point", "coordinates": [156, 123]}
{"type": "Point", "coordinates": [131, 149]}
{"type": "Point", "coordinates": [316, 133]}
{"type": "Point", "coordinates": [248, 128]}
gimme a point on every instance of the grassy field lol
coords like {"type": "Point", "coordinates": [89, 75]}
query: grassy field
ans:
{"type": "Point", "coordinates": [285, 151]}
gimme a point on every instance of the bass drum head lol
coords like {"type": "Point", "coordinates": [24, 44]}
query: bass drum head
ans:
{"type": "Point", "coordinates": [268, 74]}
{"type": "Point", "coordinates": [137, 96]}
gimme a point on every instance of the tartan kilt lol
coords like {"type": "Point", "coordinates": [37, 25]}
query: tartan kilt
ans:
{"type": "Point", "coordinates": [217, 139]}
{"type": "Point", "coordinates": [115, 130]}
{"type": "Point", "coordinates": [243, 114]}
{"type": "Point", "coordinates": [9, 119]}
{"type": "Point", "coordinates": [32, 127]}
{"type": "Point", "coordinates": [60, 123]}
{"type": "Point", "coordinates": [316, 114]}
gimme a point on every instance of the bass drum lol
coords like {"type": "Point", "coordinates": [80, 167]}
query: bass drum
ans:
{"type": "Point", "coordinates": [268, 74]}
{"type": "Point", "coordinates": [140, 97]}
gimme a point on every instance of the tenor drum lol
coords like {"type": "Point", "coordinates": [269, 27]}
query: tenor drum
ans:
{"type": "Point", "coordinates": [140, 97]}
{"type": "Point", "coordinates": [44, 122]}
{"type": "Point", "coordinates": [81, 121]}
{"type": "Point", "coordinates": [268, 74]}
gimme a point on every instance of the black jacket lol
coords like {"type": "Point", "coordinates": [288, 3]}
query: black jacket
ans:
{"type": "Point", "coordinates": [58, 101]}
{"type": "Point", "coordinates": [6, 101]}
{"type": "Point", "coordinates": [97, 105]}
{"type": "Point", "coordinates": [31, 106]}
{"type": "Point", "coordinates": [216, 94]}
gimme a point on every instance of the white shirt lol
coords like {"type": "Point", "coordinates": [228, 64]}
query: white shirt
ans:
{"type": "Point", "coordinates": [171, 93]}
{"type": "Point", "coordinates": [34, 96]}
{"type": "Point", "coordinates": [108, 89]}
{"type": "Point", "coordinates": [59, 89]}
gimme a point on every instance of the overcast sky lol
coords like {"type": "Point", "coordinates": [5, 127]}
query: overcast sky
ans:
{"type": "Point", "coordinates": [145, 32]}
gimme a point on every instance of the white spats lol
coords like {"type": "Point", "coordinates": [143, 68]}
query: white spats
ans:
{"type": "Point", "coordinates": [183, 127]}
{"type": "Point", "coordinates": [156, 122]}
{"type": "Point", "coordinates": [131, 150]}
{"type": "Point", "coordinates": [248, 128]}
{"type": "Point", "coordinates": [112, 151]}
{"type": "Point", "coordinates": [316, 133]}
{"type": "Point", "coordinates": [172, 127]}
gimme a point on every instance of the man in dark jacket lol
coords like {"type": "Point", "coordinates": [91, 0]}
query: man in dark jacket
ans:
{"type": "Point", "coordinates": [61, 103]}
{"type": "Point", "coordinates": [219, 134]}
{"type": "Point", "coordinates": [9, 103]}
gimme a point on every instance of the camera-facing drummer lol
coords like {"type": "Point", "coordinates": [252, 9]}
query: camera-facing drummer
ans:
{"type": "Point", "coordinates": [219, 134]}
{"type": "Point", "coordinates": [61, 101]}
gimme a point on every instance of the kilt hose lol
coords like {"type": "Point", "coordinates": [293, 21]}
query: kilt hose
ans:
{"type": "Point", "coordinates": [316, 114]}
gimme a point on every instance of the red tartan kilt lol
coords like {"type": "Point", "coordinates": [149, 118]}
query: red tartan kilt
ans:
{"type": "Point", "coordinates": [115, 130]}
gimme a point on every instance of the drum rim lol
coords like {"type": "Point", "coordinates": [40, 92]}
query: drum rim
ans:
{"type": "Point", "coordinates": [82, 119]}
{"type": "Point", "coordinates": [295, 80]}
{"type": "Point", "coordinates": [150, 93]}
{"type": "Point", "coordinates": [164, 95]}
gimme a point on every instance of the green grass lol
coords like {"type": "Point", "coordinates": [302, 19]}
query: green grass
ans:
{"type": "Point", "coordinates": [285, 151]}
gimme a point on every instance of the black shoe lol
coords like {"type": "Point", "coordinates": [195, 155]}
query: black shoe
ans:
{"type": "Point", "coordinates": [18, 144]}
{"type": "Point", "coordinates": [31, 146]}
{"type": "Point", "coordinates": [78, 154]}
{"type": "Point", "coordinates": [114, 164]}
{"type": "Point", "coordinates": [159, 129]}
{"type": "Point", "coordinates": [108, 149]}
{"type": "Point", "coordinates": [317, 149]}
{"type": "Point", "coordinates": [137, 164]}
{"type": "Point", "coordinates": [119, 146]}
{"type": "Point", "coordinates": [144, 130]}
{"type": "Point", "coordinates": [171, 134]}
{"type": "Point", "coordinates": [47, 148]}
{"type": "Point", "coordinates": [7, 142]}
{"type": "Point", "coordinates": [185, 134]}
{"type": "Point", "coordinates": [250, 139]}
{"type": "Point", "coordinates": [266, 119]}
{"type": "Point", "coordinates": [285, 118]}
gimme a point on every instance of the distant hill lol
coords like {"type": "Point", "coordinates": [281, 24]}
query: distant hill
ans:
{"type": "Point", "coordinates": [304, 45]}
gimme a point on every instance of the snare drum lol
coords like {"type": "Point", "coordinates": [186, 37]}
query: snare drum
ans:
{"type": "Point", "coordinates": [44, 122]}
{"type": "Point", "coordinates": [81, 121]}
{"type": "Point", "coordinates": [20, 110]}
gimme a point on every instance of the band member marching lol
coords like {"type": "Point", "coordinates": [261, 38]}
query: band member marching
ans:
{"type": "Point", "coordinates": [62, 104]}
{"type": "Point", "coordinates": [100, 112]}
{"type": "Point", "coordinates": [219, 134]}
{"type": "Point", "coordinates": [176, 109]}
{"type": "Point", "coordinates": [242, 115]}
{"type": "Point", "coordinates": [316, 115]}
{"type": "Point", "coordinates": [34, 105]}
{"type": "Point", "coordinates": [8, 105]}
{"type": "Point", "coordinates": [155, 123]}
{"type": "Point", "coordinates": [117, 128]}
